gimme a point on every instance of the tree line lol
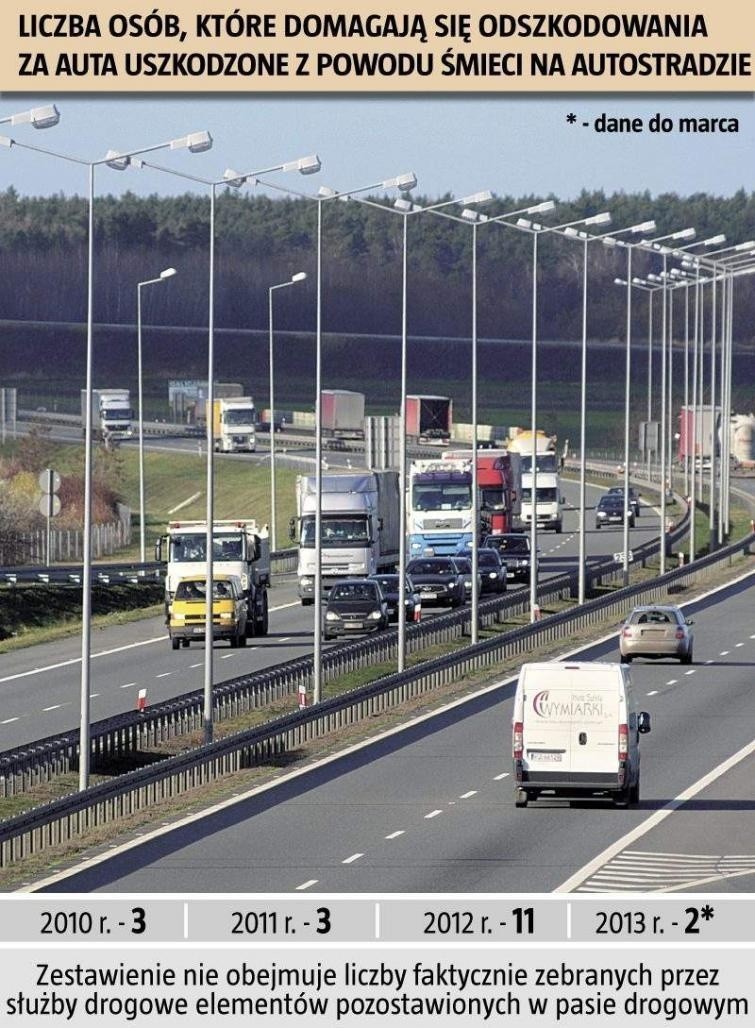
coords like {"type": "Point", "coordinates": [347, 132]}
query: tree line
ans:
{"type": "Point", "coordinates": [262, 241]}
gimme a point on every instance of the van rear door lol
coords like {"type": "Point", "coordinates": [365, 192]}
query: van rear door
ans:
{"type": "Point", "coordinates": [547, 727]}
{"type": "Point", "coordinates": [595, 707]}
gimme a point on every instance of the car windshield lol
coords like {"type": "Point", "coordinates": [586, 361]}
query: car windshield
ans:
{"type": "Point", "coordinates": [198, 590]}
{"type": "Point", "coordinates": [508, 544]}
{"type": "Point", "coordinates": [465, 566]}
{"type": "Point", "coordinates": [431, 567]}
{"type": "Point", "coordinates": [354, 591]}
{"type": "Point", "coordinates": [611, 501]}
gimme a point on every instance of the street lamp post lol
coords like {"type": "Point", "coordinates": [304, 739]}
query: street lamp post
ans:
{"type": "Point", "coordinates": [168, 273]}
{"type": "Point", "coordinates": [196, 142]}
{"type": "Point", "coordinates": [298, 277]}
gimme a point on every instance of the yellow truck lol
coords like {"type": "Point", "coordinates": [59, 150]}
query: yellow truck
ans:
{"type": "Point", "coordinates": [186, 614]}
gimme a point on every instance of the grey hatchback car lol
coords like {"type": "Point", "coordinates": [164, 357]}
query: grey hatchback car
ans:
{"type": "Point", "coordinates": [656, 632]}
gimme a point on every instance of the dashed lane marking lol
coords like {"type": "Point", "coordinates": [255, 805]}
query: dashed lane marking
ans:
{"type": "Point", "coordinates": [128, 685]}
{"type": "Point", "coordinates": [352, 858]}
{"type": "Point", "coordinates": [653, 692]}
{"type": "Point", "coordinates": [466, 795]}
{"type": "Point", "coordinates": [395, 835]}
{"type": "Point", "coordinates": [9, 720]}
{"type": "Point", "coordinates": [433, 813]}
{"type": "Point", "coordinates": [164, 674]}
{"type": "Point", "coordinates": [55, 706]}
{"type": "Point", "coordinates": [306, 885]}
{"type": "Point", "coordinates": [689, 672]}
{"type": "Point", "coordinates": [501, 776]}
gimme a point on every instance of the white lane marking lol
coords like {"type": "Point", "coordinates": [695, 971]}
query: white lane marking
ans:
{"type": "Point", "coordinates": [196, 665]}
{"type": "Point", "coordinates": [108, 653]}
{"type": "Point", "coordinates": [689, 672]}
{"type": "Point", "coordinates": [433, 813]}
{"type": "Point", "coordinates": [671, 681]}
{"type": "Point", "coordinates": [128, 685]}
{"type": "Point", "coordinates": [504, 775]}
{"type": "Point", "coordinates": [723, 653]}
{"type": "Point", "coordinates": [300, 772]}
{"type": "Point", "coordinates": [55, 706]}
{"type": "Point", "coordinates": [395, 835]}
{"type": "Point", "coordinates": [599, 862]}
{"type": "Point", "coordinates": [9, 720]}
{"type": "Point", "coordinates": [227, 656]}
{"type": "Point", "coordinates": [352, 858]}
{"type": "Point", "coordinates": [93, 695]}
{"type": "Point", "coordinates": [466, 795]}
{"type": "Point", "coordinates": [738, 645]}
{"type": "Point", "coordinates": [306, 885]}
{"type": "Point", "coordinates": [653, 692]}
{"type": "Point", "coordinates": [164, 674]}
{"type": "Point", "coordinates": [285, 638]}
{"type": "Point", "coordinates": [184, 503]}
{"type": "Point", "coordinates": [708, 661]}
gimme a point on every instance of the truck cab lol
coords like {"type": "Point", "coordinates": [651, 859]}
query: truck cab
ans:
{"type": "Point", "coordinates": [440, 507]}
{"type": "Point", "coordinates": [548, 504]}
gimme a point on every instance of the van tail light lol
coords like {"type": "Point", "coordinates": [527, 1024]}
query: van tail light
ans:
{"type": "Point", "coordinates": [679, 633]}
{"type": "Point", "coordinates": [518, 740]}
{"type": "Point", "coordinates": [623, 742]}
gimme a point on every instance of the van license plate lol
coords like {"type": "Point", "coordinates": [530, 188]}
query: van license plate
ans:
{"type": "Point", "coordinates": [553, 758]}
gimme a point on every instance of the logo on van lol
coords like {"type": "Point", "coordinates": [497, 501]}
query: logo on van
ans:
{"type": "Point", "coordinates": [575, 706]}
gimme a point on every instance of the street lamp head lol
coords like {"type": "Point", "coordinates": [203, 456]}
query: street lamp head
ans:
{"type": "Point", "coordinates": [6, 141]}
{"type": "Point", "coordinates": [168, 273]}
{"type": "Point", "coordinates": [195, 142]}
{"type": "Point", "coordinates": [744, 246]}
{"type": "Point", "coordinates": [404, 183]}
{"type": "Point", "coordinates": [714, 240]}
{"type": "Point", "coordinates": [598, 219]}
{"type": "Point", "coordinates": [685, 233]}
{"type": "Point", "coordinates": [655, 278]}
{"type": "Point", "coordinates": [400, 204]}
{"type": "Point", "coordinates": [484, 196]}
{"type": "Point", "coordinates": [620, 282]}
{"type": "Point", "coordinates": [524, 223]}
{"type": "Point", "coordinates": [541, 208]}
{"type": "Point", "coordinates": [114, 160]}
{"type": "Point", "coordinates": [326, 193]}
{"type": "Point", "coordinates": [475, 216]}
{"type": "Point", "coordinates": [299, 276]}
{"type": "Point", "coordinates": [644, 226]}
{"type": "Point", "coordinates": [304, 165]}
{"type": "Point", "coordinates": [41, 117]}
{"type": "Point", "coordinates": [234, 178]}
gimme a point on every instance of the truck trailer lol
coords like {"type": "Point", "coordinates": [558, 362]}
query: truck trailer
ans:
{"type": "Point", "coordinates": [359, 528]}
{"type": "Point", "coordinates": [342, 413]}
{"type": "Point", "coordinates": [699, 441]}
{"type": "Point", "coordinates": [429, 419]}
{"type": "Point", "coordinates": [111, 414]}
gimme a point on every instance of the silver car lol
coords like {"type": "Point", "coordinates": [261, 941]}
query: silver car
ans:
{"type": "Point", "coordinates": [656, 632]}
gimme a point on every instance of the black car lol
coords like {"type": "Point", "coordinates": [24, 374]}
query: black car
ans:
{"type": "Point", "coordinates": [634, 497]}
{"type": "Point", "coordinates": [412, 598]}
{"type": "Point", "coordinates": [355, 605]}
{"type": "Point", "coordinates": [610, 511]}
{"type": "Point", "coordinates": [514, 550]}
{"type": "Point", "coordinates": [438, 580]}
{"type": "Point", "coordinates": [465, 570]}
{"type": "Point", "coordinates": [491, 568]}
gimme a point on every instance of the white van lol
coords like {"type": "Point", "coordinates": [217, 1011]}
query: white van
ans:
{"type": "Point", "coordinates": [577, 732]}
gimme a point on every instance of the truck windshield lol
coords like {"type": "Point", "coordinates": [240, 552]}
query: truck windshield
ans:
{"type": "Point", "coordinates": [240, 417]}
{"type": "Point", "coordinates": [191, 547]}
{"type": "Point", "coordinates": [198, 590]}
{"type": "Point", "coordinates": [117, 414]}
{"type": "Point", "coordinates": [492, 499]}
{"type": "Point", "coordinates": [544, 461]}
{"type": "Point", "coordinates": [441, 496]}
{"type": "Point", "coordinates": [336, 532]}
{"type": "Point", "coordinates": [544, 495]}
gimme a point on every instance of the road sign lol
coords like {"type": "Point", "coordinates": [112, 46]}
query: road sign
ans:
{"type": "Point", "coordinates": [619, 557]}
{"type": "Point", "coordinates": [49, 505]}
{"type": "Point", "coordinates": [49, 481]}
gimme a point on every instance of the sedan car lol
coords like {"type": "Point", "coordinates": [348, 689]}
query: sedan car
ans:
{"type": "Point", "coordinates": [514, 549]}
{"type": "Point", "coordinates": [355, 605]}
{"type": "Point", "coordinates": [412, 598]}
{"type": "Point", "coordinates": [634, 497]}
{"type": "Point", "coordinates": [656, 632]}
{"type": "Point", "coordinates": [465, 570]}
{"type": "Point", "coordinates": [491, 568]}
{"type": "Point", "coordinates": [438, 580]}
{"type": "Point", "coordinates": [610, 511]}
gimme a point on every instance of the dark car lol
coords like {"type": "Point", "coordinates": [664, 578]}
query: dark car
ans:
{"type": "Point", "coordinates": [412, 598]}
{"type": "Point", "coordinates": [465, 570]}
{"type": "Point", "coordinates": [355, 605]}
{"type": "Point", "coordinates": [514, 550]}
{"type": "Point", "coordinates": [634, 497]}
{"type": "Point", "coordinates": [491, 568]}
{"type": "Point", "coordinates": [438, 580]}
{"type": "Point", "coordinates": [610, 511]}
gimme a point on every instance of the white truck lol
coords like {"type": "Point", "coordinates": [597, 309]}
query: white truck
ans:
{"type": "Point", "coordinates": [360, 527]}
{"type": "Point", "coordinates": [439, 507]}
{"type": "Point", "coordinates": [111, 414]}
{"type": "Point", "coordinates": [234, 422]}
{"type": "Point", "coordinates": [239, 547]}
{"type": "Point", "coordinates": [549, 503]}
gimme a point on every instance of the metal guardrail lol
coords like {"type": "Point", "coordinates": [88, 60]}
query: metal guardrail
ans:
{"type": "Point", "coordinates": [115, 737]}
{"type": "Point", "coordinates": [63, 819]}
{"type": "Point", "coordinates": [281, 562]}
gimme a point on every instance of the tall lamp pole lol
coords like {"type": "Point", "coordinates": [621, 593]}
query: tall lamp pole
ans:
{"type": "Point", "coordinates": [298, 277]}
{"type": "Point", "coordinates": [196, 142]}
{"type": "Point", "coordinates": [168, 273]}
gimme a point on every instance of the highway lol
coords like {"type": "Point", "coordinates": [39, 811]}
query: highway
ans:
{"type": "Point", "coordinates": [431, 808]}
{"type": "Point", "coordinates": [40, 685]}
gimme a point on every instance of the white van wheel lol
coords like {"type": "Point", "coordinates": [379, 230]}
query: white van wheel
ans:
{"type": "Point", "coordinates": [521, 798]}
